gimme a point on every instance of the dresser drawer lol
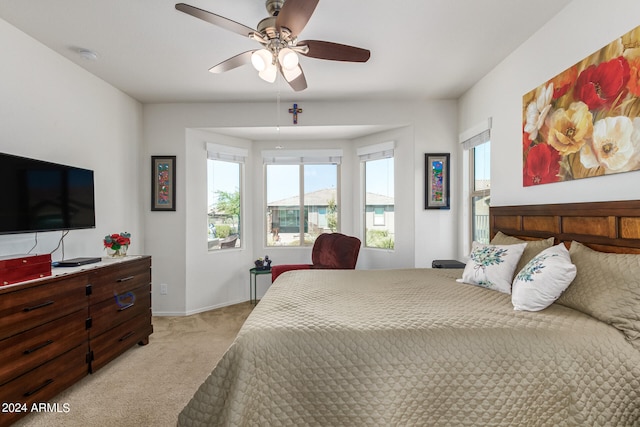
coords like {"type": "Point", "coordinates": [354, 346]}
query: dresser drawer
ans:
{"type": "Point", "coordinates": [109, 345]}
{"type": "Point", "coordinates": [115, 310]}
{"type": "Point", "coordinates": [23, 309]}
{"type": "Point", "coordinates": [32, 348]}
{"type": "Point", "coordinates": [44, 382]}
{"type": "Point", "coordinates": [120, 278]}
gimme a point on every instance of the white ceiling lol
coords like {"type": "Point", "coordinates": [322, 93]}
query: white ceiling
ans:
{"type": "Point", "coordinates": [420, 49]}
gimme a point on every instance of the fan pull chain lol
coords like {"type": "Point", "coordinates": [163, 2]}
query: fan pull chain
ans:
{"type": "Point", "coordinates": [278, 113]}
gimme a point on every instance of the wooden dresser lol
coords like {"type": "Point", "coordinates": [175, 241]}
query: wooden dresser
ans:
{"type": "Point", "coordinates": [56, 330]}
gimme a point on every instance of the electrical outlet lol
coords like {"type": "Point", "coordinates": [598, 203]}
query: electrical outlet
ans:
{"type": "Point", "coordinates": [163, 289]}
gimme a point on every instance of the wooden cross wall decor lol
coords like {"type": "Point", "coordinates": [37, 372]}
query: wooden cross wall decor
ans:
{"type": "Point", "coordinates": [295, 110]}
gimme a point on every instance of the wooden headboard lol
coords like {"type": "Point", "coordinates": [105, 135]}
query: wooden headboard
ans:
{"type": "Point", "coordinates": [604, 226]}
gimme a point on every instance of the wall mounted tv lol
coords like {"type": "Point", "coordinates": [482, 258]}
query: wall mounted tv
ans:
{"type": "Point", "coordinates": [43, 196]}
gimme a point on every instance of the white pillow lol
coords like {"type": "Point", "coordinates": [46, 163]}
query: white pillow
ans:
{"type": "Point", "coordinates": [543, 279]}
{"type": "Point", "coordinates": [492, 266]}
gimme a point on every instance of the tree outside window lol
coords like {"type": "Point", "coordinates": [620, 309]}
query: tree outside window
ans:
{"type": "Point", "coordinates": [224, 211]}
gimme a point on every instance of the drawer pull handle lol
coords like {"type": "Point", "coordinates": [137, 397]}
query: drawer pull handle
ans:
{"type": "Point", "coordinates": [38, 347]}
{"type": "Point", "coordinates": [35, 307]}
{"type": "Point", "coordinates": [124, 307]}
{"type": "Point", "coordinates": [127, 336]}
{"type": "Point", "coordinates": [125, 279]}
{"type": "Point", "coordinates": [32, 392]}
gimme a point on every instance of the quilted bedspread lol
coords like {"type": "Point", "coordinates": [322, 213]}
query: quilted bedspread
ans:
{"type": "Point", "coordinates": [415, 348]}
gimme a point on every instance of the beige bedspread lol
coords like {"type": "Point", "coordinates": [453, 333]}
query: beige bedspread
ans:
{"type": "Point", "coordinates": [414, 347]}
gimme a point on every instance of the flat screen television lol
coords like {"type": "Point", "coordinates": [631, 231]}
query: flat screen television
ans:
{"type": "Point", "coordinates": [43, 196]}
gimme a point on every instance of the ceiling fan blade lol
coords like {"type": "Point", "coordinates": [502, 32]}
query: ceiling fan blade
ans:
{"type": "Point", "coordinates": [295, 78]}
{"type": "Point", "coordinates": [295, 14]}
{"type": "Point", "coordinates": [334, 51]}
{"type": "Point", "coordinates": [214, 19]}
{"type": "Point", "coordinates": [233, 62]}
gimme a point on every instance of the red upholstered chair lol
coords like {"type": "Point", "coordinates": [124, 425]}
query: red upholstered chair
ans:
{"type": "Point", "coordinates": [330, 251]}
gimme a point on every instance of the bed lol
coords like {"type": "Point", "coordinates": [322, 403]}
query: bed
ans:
{"type": "Point", "coordinates": [417, 347]}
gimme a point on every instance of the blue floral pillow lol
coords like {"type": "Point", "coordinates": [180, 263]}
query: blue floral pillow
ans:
{"type": "Point", "coordinates": [492, 266]}
{"type": "Point", "coordinates": [543, 279]}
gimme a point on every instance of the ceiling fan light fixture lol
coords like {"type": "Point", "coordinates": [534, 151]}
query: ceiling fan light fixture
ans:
{"type": "Point", "coordinates": [269, 73]}
{"type": "Point", "coordinates": [278, 35]}
{"type": "Point", "coordinates": [292, 74]}
{"type": "Point", "coordinates": [261, 59]}
{"type": "Point", "coordinates": [288, 59]}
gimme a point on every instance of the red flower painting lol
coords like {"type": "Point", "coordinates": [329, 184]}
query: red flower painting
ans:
{"type": "Point", "coordinates": [585, 121]}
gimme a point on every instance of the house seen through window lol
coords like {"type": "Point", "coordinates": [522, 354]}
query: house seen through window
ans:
{"type": "Point", "coordinates": [379, 203]}
{"type": "Point", "coordinates": [302, 201]}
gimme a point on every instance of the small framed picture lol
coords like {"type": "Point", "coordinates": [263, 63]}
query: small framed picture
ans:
{"type": "Point", "coordinates": [436, 169]}
{"type": "Point", "coordinates": [163, 183]}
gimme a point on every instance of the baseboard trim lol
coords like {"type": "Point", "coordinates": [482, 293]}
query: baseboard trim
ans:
{"type": "Point", "coordinates": [196, 311]}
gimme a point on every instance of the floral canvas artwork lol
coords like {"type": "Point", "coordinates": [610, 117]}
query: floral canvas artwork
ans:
{"type": "Point", "coordinates": [163, 183]}
{"type": "Point", "coordinates": [585, 122]}
{"type": "Point", "coordinates": [437, 181]}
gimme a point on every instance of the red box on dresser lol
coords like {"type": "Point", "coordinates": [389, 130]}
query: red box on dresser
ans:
{"type": "Point", "coordinates": [18, 268]}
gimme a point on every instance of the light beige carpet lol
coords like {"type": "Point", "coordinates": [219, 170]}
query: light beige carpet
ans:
{"type": "Point", "coordinates": [149, 385]}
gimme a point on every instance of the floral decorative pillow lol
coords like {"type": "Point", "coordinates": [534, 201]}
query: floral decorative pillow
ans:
{"type": "Point", "coordinates": [492, 266]}
{"type": "Point", "coordinates": [534, 247]}
{"type": "Point", "coordinates": [543, 279]}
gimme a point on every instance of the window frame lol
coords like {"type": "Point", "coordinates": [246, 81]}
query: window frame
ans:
{"type": "Point", "coordinates": [302, 209]}
{"type": "Point", "coordinates": [473, 193]}
{"type": "Point", "coordinates": [232, 155]}
{"type": "Point", "coordinates": [368, 154]}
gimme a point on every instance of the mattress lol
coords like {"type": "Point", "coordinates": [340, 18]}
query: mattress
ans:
{"type": "Point", "coordinates": [415, 347]}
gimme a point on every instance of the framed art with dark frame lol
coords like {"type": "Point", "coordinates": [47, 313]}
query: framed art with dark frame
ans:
{"type": "Point", "coordinates": [163, 183]}
{"type": "Point", "coordinates": [436, 185]}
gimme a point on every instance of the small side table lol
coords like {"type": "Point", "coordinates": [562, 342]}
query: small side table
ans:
{"type": "Point", "coordinates": [253, 276]}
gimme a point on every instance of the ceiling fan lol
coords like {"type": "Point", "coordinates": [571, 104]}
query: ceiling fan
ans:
{"type": "Point", "coordinates": [278, 35]}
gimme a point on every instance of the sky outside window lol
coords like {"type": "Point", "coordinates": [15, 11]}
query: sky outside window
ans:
{"type": "Point", "coordinates": [283, 180]}
{"type": "Point", "coordinates": [482, 166]}
{"type": "Point", "coordinates": [223, 177]}
{"type": "Point", "coordinates": [379, 177]}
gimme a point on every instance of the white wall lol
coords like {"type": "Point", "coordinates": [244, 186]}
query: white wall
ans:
{"type": "Point", "coordinates": [198, 280]}
{"type": "Point", "coordinates": [582, 28]}
{"type": "Point", "coordinates": [211, 282]}
{"type": "Point", "coordinates": [53, 110]}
